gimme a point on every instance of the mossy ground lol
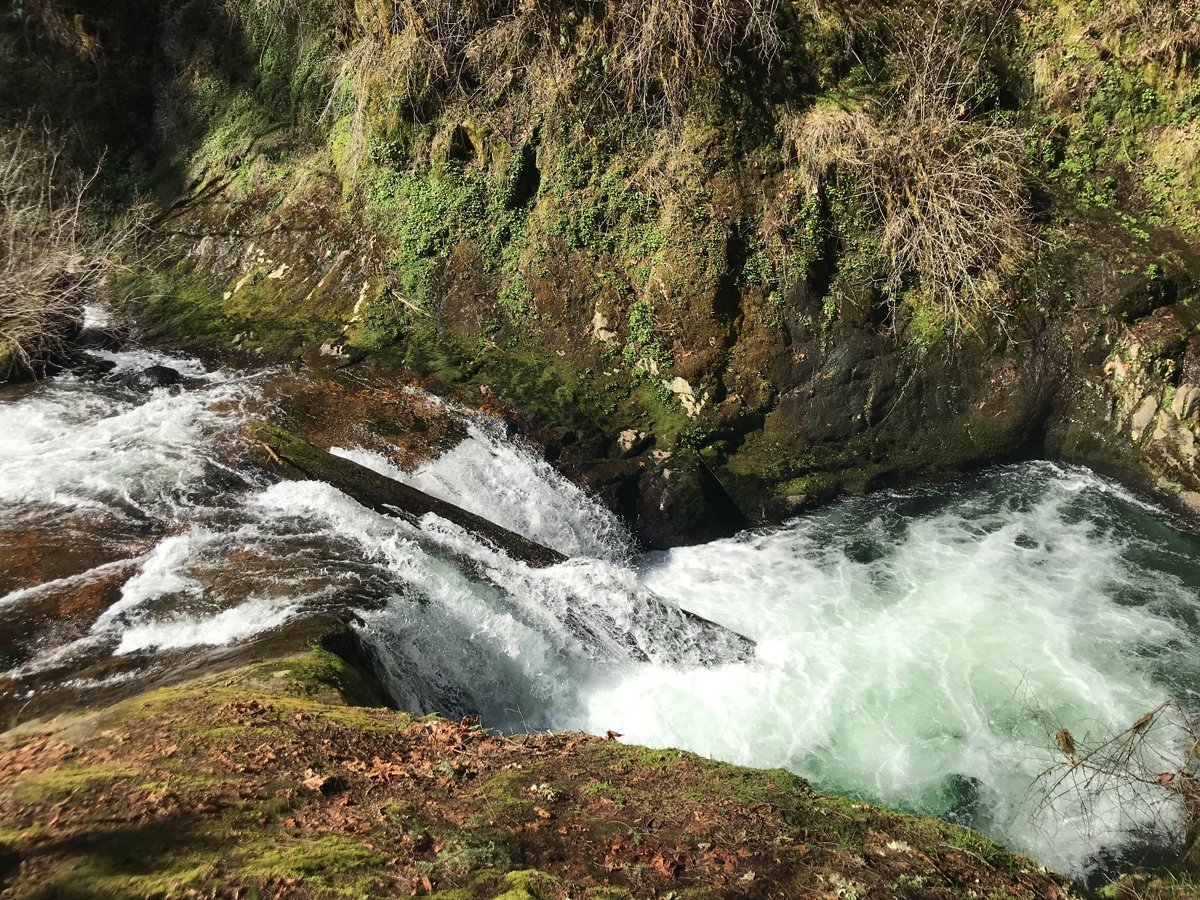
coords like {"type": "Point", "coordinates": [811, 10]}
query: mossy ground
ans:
{"type": "Point", "coordinates": [262, 780]}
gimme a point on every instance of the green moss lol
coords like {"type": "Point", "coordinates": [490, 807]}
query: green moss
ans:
{"type": "Point", "coordinates": [929, 322]}
{"type": "Point", "coordinates": [604, 789]}
{"type": "Point", "coordinates": [66, 781]}
{"type": "Point", "coordinates": [644, 344]}
{"type": "Point", "coordinates": [505, 797]}
{"type": "Point", "coordinates": [463, 855]}
{"type": "Point", "coordinates": [334, 865]}
{"type": "Point", "coordinates": [656, 759]}
{"type": "Point", "coordinates": [185, 782]}
{"type": "Point", "coordinates": [425, 214]}
{"type": "Point", "coordinates": [529, 884]}
{"type": "Point", "coordinates": [184, 307]}
{"type": "Point", "coordinates": [153, 861]}
{"type": "Point", "coordinates": [320, 675]}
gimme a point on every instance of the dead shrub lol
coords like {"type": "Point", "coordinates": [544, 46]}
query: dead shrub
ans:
{"type": "Point", "coordinates": [1151, 770]}
{"type": "Point", "coordinates": [662, 49]}
{"type": "Point", "coordinates": [51, 261]}
{"type": "Point", "coordinates": [943, 180]}
{"type": "Point", "coordinates": [1168, 30]}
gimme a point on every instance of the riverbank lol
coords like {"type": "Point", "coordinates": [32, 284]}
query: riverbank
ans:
{"type": "Point", "coordinates": [285, 779]}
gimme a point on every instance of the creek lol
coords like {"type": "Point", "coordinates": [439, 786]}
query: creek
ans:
{"type": "Point", "coordinates": [918, 648]}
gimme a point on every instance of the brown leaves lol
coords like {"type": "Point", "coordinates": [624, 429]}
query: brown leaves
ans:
{"type": "Point", "coordinates": [1066, 743]}
{"type": "Point", "coordinates": [378, 769]}
{"type": "Point", "coordinates": [38, 754]}
{"type": "Point", "coordinates": [666, 867]}
{"type": "Point", "coordinates": [325, 784]}
{"type": "Point", "coordinates": [414, 791]}
{"type": "Point", "coordinates": [246, 708]}
{"type": "Point", "coordinates": [313, 780]}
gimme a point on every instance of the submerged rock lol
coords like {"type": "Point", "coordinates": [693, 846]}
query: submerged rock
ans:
{"type": "Point", "coordinates": [157, 376]}
{"type": "Point", "coordinates": [96, 338]}
{"type": "Point", "coordinates": [86, 365]}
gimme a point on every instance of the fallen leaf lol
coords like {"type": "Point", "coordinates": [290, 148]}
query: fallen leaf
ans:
{"type": "Point", "coordinates": [314, 780]}
{"type": "Point", "coordinates": [665, 867]}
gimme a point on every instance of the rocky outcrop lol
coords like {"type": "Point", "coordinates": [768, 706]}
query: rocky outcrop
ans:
{"type": "Point", "coordinates": [1144, 405]}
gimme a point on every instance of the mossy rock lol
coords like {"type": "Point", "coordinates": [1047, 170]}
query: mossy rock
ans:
{"type": "Point", "coordinates": [261, 780]}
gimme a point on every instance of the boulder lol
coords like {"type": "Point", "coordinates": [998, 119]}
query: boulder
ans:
{"type": "Point", "coordinates": [155, 377]}
{"type": "Point", "coordinates": [86, 365]}
{"type": "Point", "coordinates": [631, 442]}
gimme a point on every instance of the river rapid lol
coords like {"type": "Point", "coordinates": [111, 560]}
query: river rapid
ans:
{"type": "Point", "coordinates": [918, 648]}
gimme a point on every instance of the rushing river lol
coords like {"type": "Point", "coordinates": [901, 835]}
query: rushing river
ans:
{"type": "Point", "coordinates": [916, 648]}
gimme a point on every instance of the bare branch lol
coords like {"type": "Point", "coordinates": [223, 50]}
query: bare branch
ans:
{"type": "Point", "coordinates": [52, 262]}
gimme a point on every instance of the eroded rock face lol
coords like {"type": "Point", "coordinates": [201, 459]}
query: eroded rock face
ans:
{"type": "Point", "coordinates": [1138, 412]}
{"type": "Point", "coordinates": [642, 326]}
{"type": "Point", "coordinates": [770, 413]}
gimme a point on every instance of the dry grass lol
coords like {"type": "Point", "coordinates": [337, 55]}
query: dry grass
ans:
{"type": "Point", "coordinates": [432, 52]}
{"type": "Point", "coordinates": [61, 27]}
{"type": "Point", "coordinates": [51, 262]}
{"type": "Point", "coordinates": [1168, 30]}
{"type": "Point", "coordinates": [652, 54]}
{"type": "Point", "coordinates": [664, 48]}
{"type": "Point", "coordinates": [944, 181]}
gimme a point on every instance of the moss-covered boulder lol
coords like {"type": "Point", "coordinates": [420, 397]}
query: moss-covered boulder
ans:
{"type": "Point", "coordinates": [8, 361]}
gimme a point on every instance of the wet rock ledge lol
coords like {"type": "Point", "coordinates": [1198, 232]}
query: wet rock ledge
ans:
{"type": "Point", "coordinates": [269, 781]}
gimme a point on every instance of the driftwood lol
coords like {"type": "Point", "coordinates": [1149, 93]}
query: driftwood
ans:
{"type": "Point", "coordinates": [385, 495]}
{"type": "Point", "coordinates": [701, 640]}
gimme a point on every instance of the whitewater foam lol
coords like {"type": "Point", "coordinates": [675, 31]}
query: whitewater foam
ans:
{"type": "Point", "coordinates": [71, 446]}
{"type": "Point", "coordinates": [919, 650]}
{"type": "Point", "coordinates": [507, 482]}
{"type": "Point", "coordinates": [218, 630]}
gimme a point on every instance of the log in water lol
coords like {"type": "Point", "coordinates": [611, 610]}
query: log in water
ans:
{"type": "Point", "coordinates": [374, 491]}
{"type": "Point", "coordinates": [292, 454]}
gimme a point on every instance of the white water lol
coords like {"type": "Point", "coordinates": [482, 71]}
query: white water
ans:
{"type": "Point", "coordinates": [917, 649]}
